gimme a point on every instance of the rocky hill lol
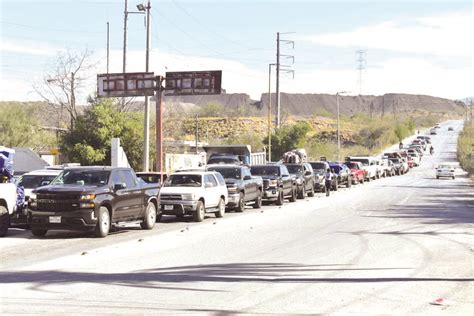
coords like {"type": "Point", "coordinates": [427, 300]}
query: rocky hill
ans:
{"type": "Point", "coordinates": [303, 105]}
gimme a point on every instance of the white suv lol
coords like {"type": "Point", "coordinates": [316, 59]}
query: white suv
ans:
{"type": "Point", "coordinates": [193, 193]}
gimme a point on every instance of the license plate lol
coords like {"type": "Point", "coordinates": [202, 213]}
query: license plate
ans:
{"type": "Point", "coordinates": [55, 219]}
{"type": "Point", "coordinates": [169, 207]}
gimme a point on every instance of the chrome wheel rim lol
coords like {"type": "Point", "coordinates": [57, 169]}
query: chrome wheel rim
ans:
{"type": "Point", "coordinates": [105, 221]}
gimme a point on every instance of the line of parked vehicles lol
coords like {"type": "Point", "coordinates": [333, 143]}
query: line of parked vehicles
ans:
{"type": "Point", "coordinates": [96, 198]}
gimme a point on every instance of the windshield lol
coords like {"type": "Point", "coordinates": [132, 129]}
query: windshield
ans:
{"type": "Point", "coordinates": [228, 173]}
{"type": "Point", "coordinates": [352, 165]}
{"type": "Point", "coordinates": [265, 170]}
{"type": "Point", "coordinates": [295, 169]}
{"type": "Point", "coordinates": [318, 165]}
{"type": "Point", "coordinates": [34, 181]}
{"type": "Point", "coordinates": [225, 160]}
{"type": "Point", "coordinates": [336, 168]}
{"type": "Point", "coordinates": [83, 177]}
{"type": "Point", "coordinates": [364, 162]}
{"type": "Point", "coordinates": [184, 180]}
{"type": "Point", "coordinates": [394, 160]}
{"type": "Point", "coordinates": [151, 178]}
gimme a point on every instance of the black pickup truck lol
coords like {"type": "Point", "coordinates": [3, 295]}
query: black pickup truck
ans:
{"type": "Point", "coordinates": [305, 179]}
{"type": "Point", "coordinates": [242, 187]}
{"type": "Point", "coordinates": [93, 198]}
{"type": "Point", "coordinates": [277, 182]}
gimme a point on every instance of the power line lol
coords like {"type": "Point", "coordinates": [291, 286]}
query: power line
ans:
{"type": "Point", "coordinates": [206, 27]}
{"type": "Point", "coordinates": [51, 29]}
{"type": "Point", "coordinates": [184, 32]}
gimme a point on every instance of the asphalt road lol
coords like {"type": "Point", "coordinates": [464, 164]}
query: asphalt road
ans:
{"type": "Point", "coordinates": [389, 246]}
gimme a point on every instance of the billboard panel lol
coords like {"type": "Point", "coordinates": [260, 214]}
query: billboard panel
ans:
{"type": "Point", "coordinates": [134, 84]}
{"type": "Point", "coordinates": [193, 82]}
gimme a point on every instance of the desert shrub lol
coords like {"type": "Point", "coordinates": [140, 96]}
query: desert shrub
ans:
{"type": "Point", "coordinates": [465, 150]}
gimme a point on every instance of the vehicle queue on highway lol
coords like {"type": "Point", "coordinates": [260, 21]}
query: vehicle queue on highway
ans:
{"type": "Point", "coordinates": [97, 198]}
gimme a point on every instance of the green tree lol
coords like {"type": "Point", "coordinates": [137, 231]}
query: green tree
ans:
{"type": "Point", "coordinates": [287, 138]}
{"type": "Point", "coordinates": [90, 141]}
{"type": "Point", "coordinates": [19, 127]}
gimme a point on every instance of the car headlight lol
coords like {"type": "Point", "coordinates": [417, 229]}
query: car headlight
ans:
{"type": "Point", "coordinates": [273, 183]}
{"type": "Point", "coordinates": [189, 196]}
{"type": "Point", "coordinates": [87, 205]}
{"type": "Point", "coordinates": [32, 200]}
{"type": "Point", "coordinates": [87, 197]}
{"type": "Point", "coordinates": [299, 181]}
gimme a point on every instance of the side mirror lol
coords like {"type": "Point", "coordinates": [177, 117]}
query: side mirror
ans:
{"type": "Point", "coordinates": [120, 186]}
{"type": "Point", "coordinates": [247, 178]}
{"type": "Point", "coordinates": [308, 173]}
{"type": "Point", "coordinates": [43, 183]}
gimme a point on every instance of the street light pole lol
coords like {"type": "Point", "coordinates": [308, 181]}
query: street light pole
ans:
{"type": "Point", "coordinates": [146, 149]}
{"type": "Point", "coordinates": [338, 126]}
{"type": "Point", "coordinates": [270, 111]}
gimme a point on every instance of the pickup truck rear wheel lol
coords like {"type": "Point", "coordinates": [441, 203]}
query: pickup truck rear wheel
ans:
{"type": "Point", "coordinates": [198, 215]}
{"type": "Point", "coordinates": [220, 208]}
{"type": "Point", "coordinates": [103, 223]}
{"type": "Point", "coordinates": [258, 200]}
{"type": "Point", "coordinates": [150, 217]}
{"type": "Point", "coordinates": [4, 221]}
{"type": "Point", "coordinates": [241, 206]}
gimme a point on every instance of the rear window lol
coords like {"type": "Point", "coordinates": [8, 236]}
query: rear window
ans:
{"type": "Point", "coordinates": [83, 177]}
{"type": "Point", "coordinates": [294, 169]}
{"type": "Point", "coordinates": [265, 170]}
{"type": "Point", "coordinates": [184, 180]}
{"type": "Point", "coordinates": [228, 173]}
{"type": "Point", "coordinates": [364, 162]}
{"type": "Point", "coordinates": [35, 181]}
{"type": "Point", "coordinates": [318, 165]}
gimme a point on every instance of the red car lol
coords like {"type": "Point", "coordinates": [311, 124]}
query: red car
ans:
{"type": "Point", "coordinates": [357, 173]}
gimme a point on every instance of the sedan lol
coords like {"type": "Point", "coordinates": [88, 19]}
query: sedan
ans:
{"type": "Point", "coordinates": [445, 170]}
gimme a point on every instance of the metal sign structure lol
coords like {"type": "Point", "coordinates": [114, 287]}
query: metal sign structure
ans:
{"type": "Point", "coordinates": [193, 82]}
{"type": "Point", "coordinates": [133, 84]}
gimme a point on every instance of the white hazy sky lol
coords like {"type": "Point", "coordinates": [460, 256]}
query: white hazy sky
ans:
{"type": "Point", "coordinates": [418, 47]}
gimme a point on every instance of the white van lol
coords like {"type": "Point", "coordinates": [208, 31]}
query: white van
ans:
{"type": "Point", "coordinates": [369, 164]}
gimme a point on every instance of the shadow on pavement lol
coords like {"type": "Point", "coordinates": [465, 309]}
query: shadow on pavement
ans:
{"type": "Point", "coordinates": [221, 273]}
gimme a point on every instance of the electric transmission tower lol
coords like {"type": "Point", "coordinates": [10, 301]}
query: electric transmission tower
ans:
{"type": "Point", "coordinates": [282, 68]}
{"type": "Point", "coordinates": [361, 65]}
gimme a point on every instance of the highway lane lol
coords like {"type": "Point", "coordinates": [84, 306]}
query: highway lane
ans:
{"type": "Point", "coordinates": [391, 245]}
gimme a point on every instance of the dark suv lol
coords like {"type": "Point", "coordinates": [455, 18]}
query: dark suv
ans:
{"type": "Point", "coordinates": [277, 182]}
{"type": "Point", "coordinates": [343, 173]}
{"type": "Point", "coordinates": [319, 170]}
{"type": "Point", "coordinates": [305, 179]}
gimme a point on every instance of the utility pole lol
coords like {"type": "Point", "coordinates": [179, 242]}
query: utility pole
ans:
{"type": "Point", "coordinates": [108, 47]}
{"type": "Point", "coordinates": [278, 69]}
{"type": "Point", "coordinates": [124, 68]}
{"type": "Point", "coordinates": [196, 136]}
{"type": "Point", "coordinates": [73, 100]}
{"type": "Point", "coordinates": [338, 125]}
{"type": "Point", "coordinates": [146, 149]}
{"type": "Point", "coordinates": [278, 81]}
{"type": "Point", "coordinates": [270, 111]}
{"type": "Point", "coordinates": [159, 125]}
